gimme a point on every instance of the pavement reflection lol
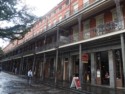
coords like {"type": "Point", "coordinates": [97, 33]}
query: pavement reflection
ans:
{"type": "Point", "coordinates": [13, 84]}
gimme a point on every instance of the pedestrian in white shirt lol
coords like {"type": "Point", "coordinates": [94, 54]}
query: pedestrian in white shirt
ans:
{"type": "Point", "coordinates": [30, 75]}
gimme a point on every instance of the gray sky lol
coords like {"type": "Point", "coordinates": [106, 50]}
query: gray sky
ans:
{"type": "Point", "coordinates": [40, 7]}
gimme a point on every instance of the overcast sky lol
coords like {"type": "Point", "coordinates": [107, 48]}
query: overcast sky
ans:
{"type": "Point", "coordinates": [40, 7]}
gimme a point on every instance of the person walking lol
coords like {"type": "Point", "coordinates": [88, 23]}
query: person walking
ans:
{"type": "Point", "coordinates": [30, 75]}
{"type": "Point", "coordinates": [15, 71]}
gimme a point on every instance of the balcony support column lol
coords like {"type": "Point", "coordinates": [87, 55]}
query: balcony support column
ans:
{"type": "Point", "coordinates": [80, 52]}
{"type": "Point", "coordinates": [123, 54]}
{"type": "Point", "coordinates": [93, 69]}
{"type": "Point", "coordinates": [57, 53]}
{"type": "Point", "coordinates": [43, 66]}
{"type": "Point", "coordinates": [21, 65]}
{"type": "Point", "coordinates": [34, 61]}
{"type": "Point", "coordinates": [27, 66]}
{"type": "Point", "coordinates": [112, 72]}
{"type": "Point", "coordinates": [119, 14]}
{"type": "Point", "coordinates": [70, 67]}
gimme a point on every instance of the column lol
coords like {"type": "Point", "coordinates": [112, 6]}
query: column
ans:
{"type": "Point", "coordinates": [21, 65]}
{"type": "Point", "coordinates": [93, 69]}
{"type": "Point", "coordinates": [70, 67]}
{"type": "Point", "coordinates": [111, 69]}
{"type": "Point", "coordinates": [27, 65]}
{"type": "Point", "coordinates": [80, 64]}
{"type": "Point", "coordinates": [123, 55]}
{"type": "Point", "coordinates": [57, 48]}
{"type": "Point", "coordinates": [43, 65]}
{"type": "Point", "coordinates": [62, 65]}
{"type": "Point", "coordinates": [80, 52]}
{"type": "Point", "coordinates": [119, 14]}
{"type": "Point", "coordinates": [33, 66]}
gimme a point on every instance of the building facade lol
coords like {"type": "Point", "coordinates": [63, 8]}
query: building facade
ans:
{"type": "Point", "coordinates": [85, 38]}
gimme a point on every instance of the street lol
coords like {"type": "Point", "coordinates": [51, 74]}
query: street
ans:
{"type": "Point", "coordinates": [17, 84]}
{"type": "Point", "coordinates": [13, 84]}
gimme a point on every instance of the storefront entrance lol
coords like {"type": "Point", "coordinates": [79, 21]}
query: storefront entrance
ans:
{"type": "Point", "coordinates": [75, 65]}
{"type": "Point", "coordinates": [118, 68]}
{"type": "Point", "coordinates": [87, 69]}
{"type": "Point", "coordinates": [102, 64]}
{"type": "Point", "coordinates": [66, 69]}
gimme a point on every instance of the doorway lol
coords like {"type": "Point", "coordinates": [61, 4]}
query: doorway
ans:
{"type": "Point", "coordinates": [75, 65]}
{"type": "Point", "coordinates": [51, 66]}
{"type": "Point", "coordinates": [102, 68]}
{"type": "Point", "coordinates": [66, 69]}
{"type": "Point", "coordinates": [87, 69]}
{"type": "Point", "coordinates": [118, 68]}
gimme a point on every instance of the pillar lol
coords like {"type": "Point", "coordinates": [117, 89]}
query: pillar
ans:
{"type": "Point", "coordinates": [111, 69]}
{"type": "Point", "coordinates": [43, 66]}
{"type": "Point", "coordinates": [33, 66]}
{"type": "Point", "coordinates": [57, 48]}
{"type": "Point", "coordinates": [80, 64]}
{"type": "Point", "coordinates": [93, 69]}
{"type": "Point", "coordinates": [70, 68]}
{"type": "Point", "coordinates": [80, 52]}
{"type": "Point", "coordinates": [123, 55]}
{"type": "Point", "coordinates": [21, 65]}
{"type": "Point", "coordinates": [119, 14]}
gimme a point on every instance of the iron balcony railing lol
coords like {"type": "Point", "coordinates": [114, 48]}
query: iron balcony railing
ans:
{"type": "Point", "coordinates": [29, 52]}
{"type": "Point", "coordinates": [71, 12]}
{"type": "Point", "coordinates": [101, 29]}
{"type": "Point", "coordinates": [46, 47]}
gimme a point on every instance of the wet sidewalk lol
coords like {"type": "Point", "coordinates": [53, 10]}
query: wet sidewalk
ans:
{"type": "Point", "coordinates": [86, 89]}
{"type": "Point", "coordinates": [15, 84]}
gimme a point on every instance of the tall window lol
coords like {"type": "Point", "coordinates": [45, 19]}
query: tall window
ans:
{"type": "Point", "coordinates": [60, 18]}
{"type": "Point", "coordinates": [54, 22]}
{"type": "Point", "coordinates": [100, 24]}
{"type": "Point", "coordinates": [114, 15]}
{"type": "Point", "coordinates": [85, 3]}
{"type": "Point", "coordinates": [87, 30]}
{"type": "Point", "coordinates": [75, 33]}
{"type": "Point", "coordinates": [49, 25]}
{"type": "Point", "coordinates": [67, 2]}
{"type": "Point", "coordinates": [44, 27]}
{"type": "Point", "coordinates": [67, 14]}
{"type": "Point", "coordinates": [75, 8]}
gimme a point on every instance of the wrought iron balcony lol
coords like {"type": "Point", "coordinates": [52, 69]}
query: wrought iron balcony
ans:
{"type": "Point", "coordinates": [101, 29]}
{"type": "Point", "coordinates": [29, 52]}
{"type": "Point", "coordinates": [46, 47]}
